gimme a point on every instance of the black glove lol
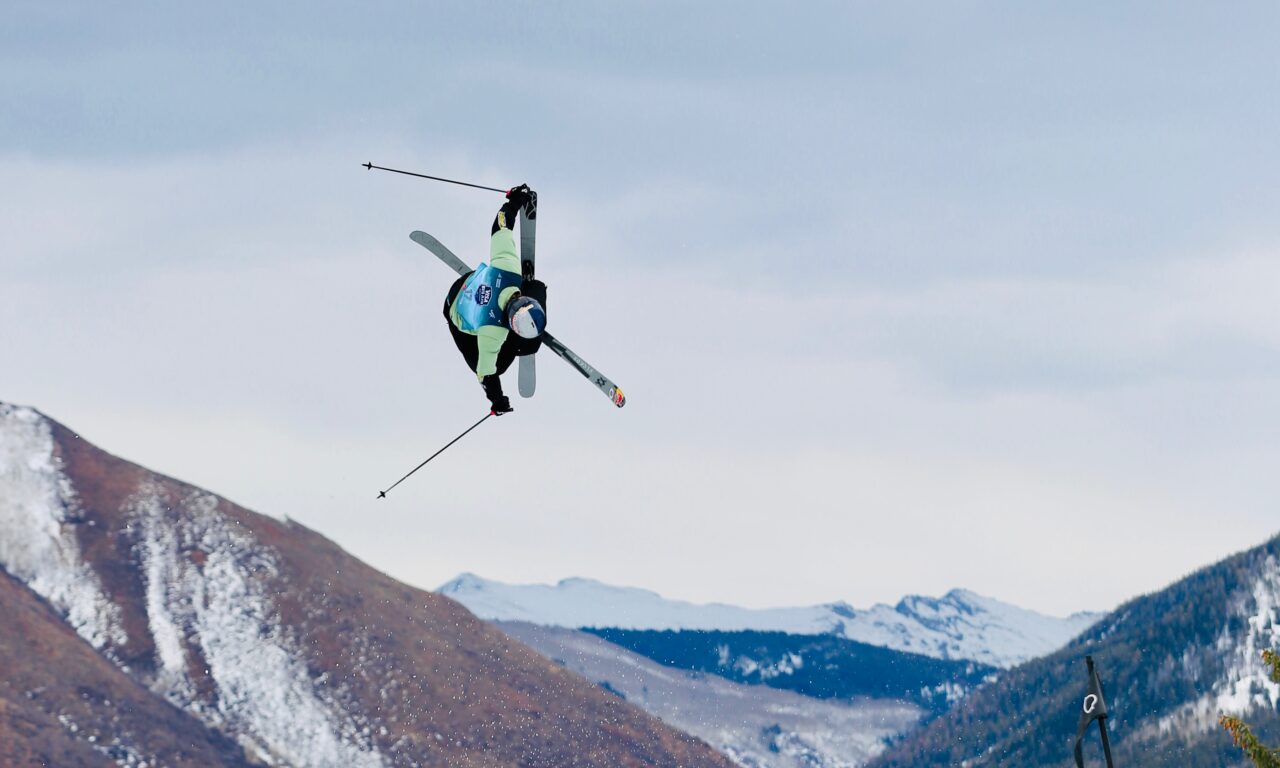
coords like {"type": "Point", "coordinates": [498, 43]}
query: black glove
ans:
{"type": "Point", "coordinates": [493, 390]}
{"type": "Point", "coordinates": [517, 198]}
{"type": "Point", "coordinates": [520, 195]}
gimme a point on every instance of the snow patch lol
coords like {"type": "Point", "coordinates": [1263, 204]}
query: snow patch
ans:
{"type": "Point", "coordinates": [747, 666]}
{"type": "Point", "coordinates": [1246, 684]}
{"type": "Point", "coordinates": [947, 691]}
{"type": "Point", "coordinates": [206, 594]}
{"type": "Point", "coordinates": [111, 747]}
{"type": "Point", "coordinates": [37, 542]}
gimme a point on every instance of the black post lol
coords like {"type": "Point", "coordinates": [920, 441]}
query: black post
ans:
{"type": "Point", "coordinates": [371, 166]}
{"type": "Point", "coordinates": [1106, 742]}
{"type": "Point", "coordinates": [1093, 708]}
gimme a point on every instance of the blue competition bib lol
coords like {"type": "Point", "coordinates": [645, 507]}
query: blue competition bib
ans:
{"type": "Point", "coordinates": [477, 302]}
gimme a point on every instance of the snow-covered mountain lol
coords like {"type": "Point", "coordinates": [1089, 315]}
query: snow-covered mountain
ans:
{"type": "Point", "coordinates": [959, 625]}
{"type": "Point", "coordinates": [1171, 663]}
{"type": "Point", "coordinates": [144, 621]}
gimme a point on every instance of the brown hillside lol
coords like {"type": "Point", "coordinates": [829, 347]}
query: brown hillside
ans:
{"type": "Point", "coordinates": [61, 704]}
{"type": "Point", "coordinates": [280, 641]}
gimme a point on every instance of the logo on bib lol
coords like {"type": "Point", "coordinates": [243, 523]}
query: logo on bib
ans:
{"type": "Point", "coordinates": [483, 294]}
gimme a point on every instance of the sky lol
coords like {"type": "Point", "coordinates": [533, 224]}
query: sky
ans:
{"type": "Point", "coordinates": [904, 297]}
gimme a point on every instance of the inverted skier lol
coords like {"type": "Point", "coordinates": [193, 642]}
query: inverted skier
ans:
{"type": "Point", "coordinates": [493, 313]}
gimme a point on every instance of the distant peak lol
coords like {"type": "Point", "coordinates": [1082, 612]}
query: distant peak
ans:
{"type": "Point", "coordinates": [23, 413]}
{"type": "Point", "coordinates": [969, 597]}
{"type": "Point", "coordinates": [463, 581]}
{"type": "Point", "coordinates": [843, 609]}
{"type": "Point", "coordinates": [580, 581]}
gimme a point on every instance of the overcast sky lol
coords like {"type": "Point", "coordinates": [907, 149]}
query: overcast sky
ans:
{"type": "Point", "coordinates": [904, 297]}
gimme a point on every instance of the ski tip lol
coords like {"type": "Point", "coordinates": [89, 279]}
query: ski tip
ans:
{"type": "Point", "coordinates": [619, 399]}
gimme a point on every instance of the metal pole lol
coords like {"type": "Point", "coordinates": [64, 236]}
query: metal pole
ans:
{"type": "Point", "coordinates": [371, 166]}
{"type": "Point", "coordinates": [383, 494]}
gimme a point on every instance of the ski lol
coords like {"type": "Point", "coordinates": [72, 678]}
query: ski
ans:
{"type": "Point", "coordinates": [602, 382]}
{"type": "Point", "coordinates": [528, 230]}
{"type": "Point", "coordinates": [436, 247]}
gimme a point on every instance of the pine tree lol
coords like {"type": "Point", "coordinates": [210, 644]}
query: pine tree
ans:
{"type": "Point", "coordinates": [1263, 757]}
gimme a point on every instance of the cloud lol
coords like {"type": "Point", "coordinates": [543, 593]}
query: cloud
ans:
{"type": "Point", "coordinates": [810, 428]}
{"type": "Point", "coordinates": [900, 303]}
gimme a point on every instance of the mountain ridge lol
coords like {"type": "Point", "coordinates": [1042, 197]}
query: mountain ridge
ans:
{"type": "Point", "coordinates": [960, 625]}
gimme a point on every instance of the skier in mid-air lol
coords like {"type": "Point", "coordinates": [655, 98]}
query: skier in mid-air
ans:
{"type": "Point", "coordinates": [485, 306]}
{"type": "Point", "coordinates": [497, 312]}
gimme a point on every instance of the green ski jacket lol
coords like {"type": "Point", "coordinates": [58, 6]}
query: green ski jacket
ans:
{"type": "Point", "coordinates": [489, 338]}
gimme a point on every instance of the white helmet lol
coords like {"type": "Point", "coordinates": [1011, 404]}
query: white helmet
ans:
{"type": "Point", "coordinates": [526, 317]}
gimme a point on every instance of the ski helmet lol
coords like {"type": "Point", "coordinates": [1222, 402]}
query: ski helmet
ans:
{"type": "Point", "coordinates": [526, 317]}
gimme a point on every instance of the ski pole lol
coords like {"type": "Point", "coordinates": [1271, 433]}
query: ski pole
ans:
{"type": "Point", "coordinates": [371, 166]}
{"type": "Point", "coordinates": [383, 494]}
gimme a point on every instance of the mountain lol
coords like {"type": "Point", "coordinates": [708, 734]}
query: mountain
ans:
{"type": "Point", "coordinates": [157, 623]}
{"type": "Point", "coordinates": [1171, 662]}
{"type": "Point", "coordinates": [61, 703]}
{"type": "Point", "coordinates": [960, 625]}
{"type": "Point", "coordinates": [757, 726]}
{"type": "Point", "coordinates": [817, 666]}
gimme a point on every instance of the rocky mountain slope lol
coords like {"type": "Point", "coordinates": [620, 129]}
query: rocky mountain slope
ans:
{"type": "Point", "coordinates": [61, 703]}
{"type": "Point", "coordinates": [1171, 662]}
{"type": "Point", "coordinates": [250, 640]}
{"type": "Point", "coordinates": [960, 625]}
